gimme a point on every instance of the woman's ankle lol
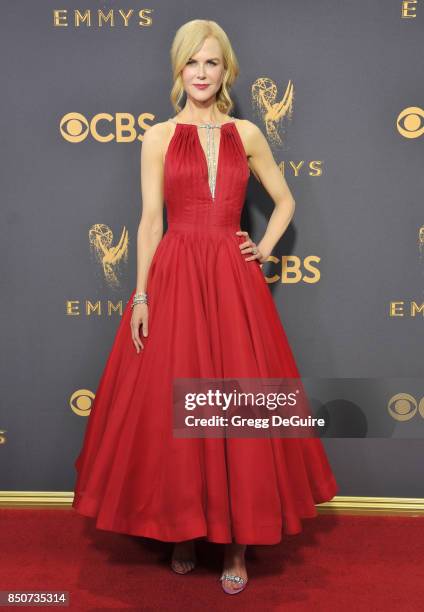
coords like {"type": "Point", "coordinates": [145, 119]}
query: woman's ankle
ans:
{"type": "Point", "coordinates": [234, 552]}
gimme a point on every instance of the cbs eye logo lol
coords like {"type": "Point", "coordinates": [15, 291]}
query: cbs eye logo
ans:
{"type": "Point", "coordinates": [410, 122]}
{"type": "Point", "coordinates": [403, 407]}
{"type": "Point", "coordinates": [81, 402]}
{"type": "Point", "coordinates": [74, 127]}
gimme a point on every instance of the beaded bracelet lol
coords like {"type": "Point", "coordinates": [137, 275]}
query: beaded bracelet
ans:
{"type": "Point", "coordinates": [139, 298]}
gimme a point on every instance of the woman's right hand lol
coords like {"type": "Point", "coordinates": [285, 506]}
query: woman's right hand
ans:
{"type": "Point", "coordinates": [140, 316]}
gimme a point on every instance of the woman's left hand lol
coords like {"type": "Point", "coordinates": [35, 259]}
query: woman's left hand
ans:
{"type": "Point", "coordinates": [250, 247]}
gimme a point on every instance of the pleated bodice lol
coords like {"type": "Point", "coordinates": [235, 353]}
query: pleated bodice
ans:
{"type": "Point", "coordinates": [188, 197]}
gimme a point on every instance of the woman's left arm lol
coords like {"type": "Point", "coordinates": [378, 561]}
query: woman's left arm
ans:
{"type": "Point", "coordinates": [267, 172]}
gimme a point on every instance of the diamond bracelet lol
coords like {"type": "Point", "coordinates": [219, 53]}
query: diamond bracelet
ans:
{"type": "Point", "coordinates": [139, 298]}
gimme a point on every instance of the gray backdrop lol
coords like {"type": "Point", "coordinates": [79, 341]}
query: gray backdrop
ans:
{"type": "Point", "coordinates": [355, 66]}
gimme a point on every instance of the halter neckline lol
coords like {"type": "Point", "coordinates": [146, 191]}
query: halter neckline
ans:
{"type": "Point", "coordinates": [201, 125]}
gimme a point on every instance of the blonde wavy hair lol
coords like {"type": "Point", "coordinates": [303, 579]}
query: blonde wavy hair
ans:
{"type": "Point", "coordinates": [187, 42]}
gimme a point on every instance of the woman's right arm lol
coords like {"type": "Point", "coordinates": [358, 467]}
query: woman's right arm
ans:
{"type": "Point", "coordinates": [150, 229]}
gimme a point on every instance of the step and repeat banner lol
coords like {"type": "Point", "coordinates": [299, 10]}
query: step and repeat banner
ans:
{"type": "Point", "coordinates": [337, 89]}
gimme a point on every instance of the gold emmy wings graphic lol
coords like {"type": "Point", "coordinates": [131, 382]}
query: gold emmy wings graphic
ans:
{"type": "Point", "coordinates": [271, 110]}
{"type": "Point", "coordinates": [109, 256]}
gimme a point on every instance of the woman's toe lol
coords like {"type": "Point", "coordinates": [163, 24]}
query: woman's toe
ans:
{"type": "Point", "coordinates": [182, 565]}
{"type": "Point", "coordinates": [233, 585]}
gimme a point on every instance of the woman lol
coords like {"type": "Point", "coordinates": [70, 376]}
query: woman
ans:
{"type": "Point", "coordinates": [201, 308]}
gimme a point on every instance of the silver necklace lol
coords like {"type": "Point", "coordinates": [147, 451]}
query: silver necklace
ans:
{"type": "Point", "coordinates": [210, 152]}
{"type": "Point", "coordinates": [211, 155]}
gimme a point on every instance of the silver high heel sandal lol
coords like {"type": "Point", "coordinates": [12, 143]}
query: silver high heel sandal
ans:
{"type": "Point", "coordinates": [233, 578]}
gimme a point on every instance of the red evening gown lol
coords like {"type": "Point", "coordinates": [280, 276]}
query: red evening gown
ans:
{"type": "Point", "coordinates": [211, 314]}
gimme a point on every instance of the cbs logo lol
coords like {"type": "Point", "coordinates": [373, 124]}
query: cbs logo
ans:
{"type": "Point", "coordinates": [292, 269]}
{"type": "Point", "coordinates": [103, 127]}
{"type": "Point", "coordinates": [81, 402]}
{"type": "Point", "coordinates": [403, 407]}
{"type": "Point", "coordinates": [410, 122]}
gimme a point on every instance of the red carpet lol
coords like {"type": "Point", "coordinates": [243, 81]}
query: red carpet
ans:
{"type": "Point", "coordinates": [336, 563]}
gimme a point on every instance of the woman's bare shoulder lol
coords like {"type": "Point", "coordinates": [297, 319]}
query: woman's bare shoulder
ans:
{"type": "Point", "coordinates": [249, 128]}
{"type": "Point", "coordinates": [250, 134]}
{"type": "Point", "coordinates": [156, 138]}
{"type": "Point", "coordinates": [157, 131]}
